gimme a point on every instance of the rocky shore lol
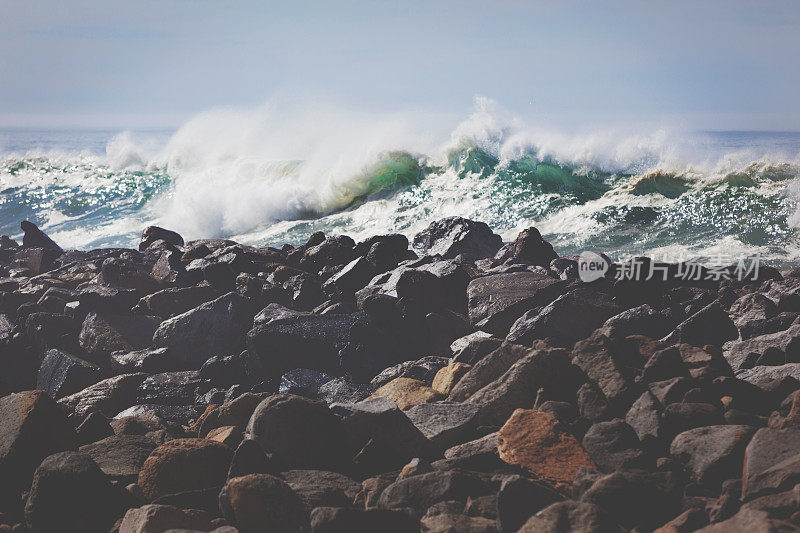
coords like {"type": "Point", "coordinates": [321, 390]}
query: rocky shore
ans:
{"type": "Point", "coordinates": [454, 383]}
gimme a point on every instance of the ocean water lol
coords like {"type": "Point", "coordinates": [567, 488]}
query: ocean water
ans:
{"type": "Point", "coordinates": [269, 176]}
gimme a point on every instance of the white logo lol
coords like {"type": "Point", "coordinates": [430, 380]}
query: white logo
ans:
{"type": "Point", "coordinates": [591, 266]}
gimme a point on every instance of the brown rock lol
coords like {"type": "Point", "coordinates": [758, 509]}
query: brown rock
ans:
{"type": "Point", "coordinates": [183, 465]}
{"type": "Point", "coordinates": [540, 444]}
{"type": "Point", "coordinates": [792, 420]}
{"type": "Point", "coordinates": [260, 502]}
{"type": "Point", "coordinates": [228, 435]}
{"type": "Point", "coordinates": [407, 392]}
{"type": "Point", "coordinates": [32, 426]}
{"type": "Point", "coordinates": [447, 377]}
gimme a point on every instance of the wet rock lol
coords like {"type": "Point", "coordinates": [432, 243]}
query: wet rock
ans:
{"type": "Point", "coordinates": [36, 238]}
{"type": "Point", "coordinates": [473, 347]}
{"type": "Point", "coordinates": [212, 328]}
{"type": "Point", "coordinates": [70, 493]}
{"type": "Point", "coordinates": [423, 370]}
{"type": "Point", "coordinates": [102, 334]}
{"type": "Point", "coordinates": [497, 301]}
{"type": "Point", "coordinates": [445, 424]}
{"type": "Point", "coordinates": [311, 341]}
{"type": "Point", "coordinates": [569, 318]}
{"type": "Point", "coordinates": [260, 502]}
{"type": "Point", "coordinates": [108, 397]}
{"type": "Point", "coordinates": [120, 457]}
{"type": "Point", "coordinates": [152, 234]}
{"type": "Point", "coordinates": [453, 236]}
{"type": "Point", "coordinates": [182, 465]}
{"type": "Point", "coordinates": [300, 432]}
{"type": "Point", "coordinates": [154, 517]}
{"type": "Point", "coordinates": [174, 301]}
{"type": "Point", "coordinates": [407, 392]}
{"type": "Point", "coordinates": [149, 360]}
{"type": "Point", "coordinates": [712, 454]}
{"type": "Point", "coordinates": [530, 247]}
{"type": "Point", "coordinates": [540, 444]}
{"type": "Point", "coordinates": [169, 388]}
{"type": "Point", "coordinates": [62, 374]}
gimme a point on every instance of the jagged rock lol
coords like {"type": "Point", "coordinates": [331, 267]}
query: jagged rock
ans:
{"type": "Point", "coordinates": [174, 301]}
{"type": "Point", "coordinates": [751, 520]}
{"type": "Point", "coordinates": [569, 318]}
{"type": "Point", "coordinates": [611, 366]}
{"type": "Point", "coordinates": [31, 427]}
{"type": "Point", "coordinates": [641, 320]}
{"type": "Point", "coordinates": [36, 238]}
{"type": "Point", "coordinates": [216, 327]}
{"type": "Point", "coordinates": [453, 236]}
{"type": "Point", "coordinates": [543, 446]}
{"type": "Point", "coordinates": [761, 375]}
{"type": "Point", "coordinates": [169, 388]}
{"type": "Point", "coordinates": [310, 341]}
{"type": "Point", "coordinates": [149, 360]}
{"type": "Point", "coordinates": [635, 498]}
{"type": "Point", "coordinates": [495, 302]}
{"type": "Point", "coordinates": [62, 374]}
{"type": "Point", "coordinates": [771, 462]}
{"type": "Point", "coordinates": [712, 454]}
{"type": "Point", "coordinates": [473, 347]}
{"type": "Point", "coordinates": [102, 334]}
{"type": "Point", "coordinates": [770, 349]}
{"type": "Point", "coordinates": [549, 370]}
{"type": "Point", "coordinates": [614, 445]}
{"type": "Point", "coordinates": [530, 247]}
{"type": "Point", "coordinates": [108, 397]}
{"type": "Point", "coordinates": [488, 369]}
{"type": "Point", "coordinates": [423, 370]}
{"type": "Point", "coordinates": [710, 325]}
{"type": "Point", "coordinates": [152, 234]}
{"type": "Point", "coordinates": [445, 424]}
{"type": "Point", "coordinates": [644, 417]}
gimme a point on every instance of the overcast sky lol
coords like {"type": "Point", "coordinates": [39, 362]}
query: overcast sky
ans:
{"type": "Point", "coordinates": [713, 65]}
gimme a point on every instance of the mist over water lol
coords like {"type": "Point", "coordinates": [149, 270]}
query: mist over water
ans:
{"type": "Point", "coordinates": [278, 173]}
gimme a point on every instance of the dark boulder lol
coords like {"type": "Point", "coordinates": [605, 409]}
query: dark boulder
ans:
{"type": "Point", "coordinates": [152, 234]}
{"type": "Point", "coordinates": [62, 374]}
{"type": "Point", "coordinates": [454, 236]}
{"type": "Point", "coordinates": [36, 238]}
{"type": "Point", "coordinates": [530, 247]}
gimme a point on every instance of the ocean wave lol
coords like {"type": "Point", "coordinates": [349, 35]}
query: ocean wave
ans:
{"type": "Point", "coordinates": [277, 174]}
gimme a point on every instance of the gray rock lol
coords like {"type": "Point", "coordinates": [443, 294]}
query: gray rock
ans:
{"type": "Point", "coordinates": [644, 417]}
{"type": "Point", "coordinates": [169, 388]}
{"type": "Point", "coordinates": [760, 375]}
{"type": "Point", "coordinates": [453, 236]}
{"type": "Point", "coordinates": [712, 454]}
{"type": "Point", "coordinates": [710, 325]}
{"type": "Point", "coordinates": [496, 301]}
{"type": "Point", "coordinates": [62, 374]}
{"type": "Point", "coordinates": [213, 328]}
{"type": "Point", "coordinates": [570, 516]}
{"type": "Point", "coordinates": [771, 462]}
{"type": "Point", "coordinates": [320, 488]}
{"type": "Point", "coordinates": [770, 349]}
{"type": "Point", "coordinates": [614, 445]}
{"type": "Point", "coordinates": [149, 360]}
{"type": "Point", "coordinates": [473, 347]}
{"type": "Point", "coordinates": [108, 397]}
{"type": "Point", "coordinates": [174, 301]}
{"type": "Point", "coordinates": [488, 369]}
{"type": "Point", "coordinates": [120, 457]}
{"type": "Point", "coordinates": [611, 367]}
{"type": "Point", "coordinates": [104, 333]}
{"type": "Point", "coordinates": [424, 370]}
{"type": "Point", "coordinates": [155, 517]}
{"type": "Point", "coordinates": [445, 424]}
